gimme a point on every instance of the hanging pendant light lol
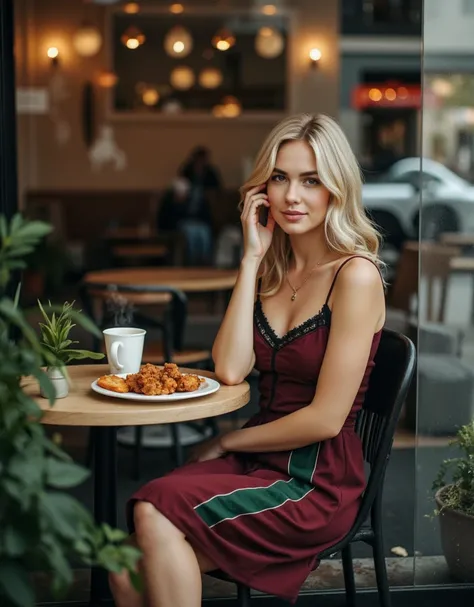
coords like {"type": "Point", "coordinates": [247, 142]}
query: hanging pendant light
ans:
{"type": "Point", "coordinates": [210, 78]}
{"type": "Point", "coordinates": [87, 40]}
{"type": "Point", "coordinates": [178, 42]}
{"type": "Point", "coordinates": [176, 8]}
{"type": "Point", "coordinates": [107, 79]}
{"type": "Point", "coordinates": [132, 38]}
{"type": "Point", "coordinates": [230, 107]}
{"type": "Point", "coordinates": [131, 8]}
{"type": "Point", "coordinates": [223, 40]}
{"type": "Point", "coordinates": [269, 43]}
{"type": "Point", "coordinates": [182, 78]}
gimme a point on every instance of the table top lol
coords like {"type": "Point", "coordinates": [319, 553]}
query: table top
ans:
{"type": "Point", "coordinates": [462, 264]}
{"type": "Point", "coordinates": [185, 279]}
{"type": "Point", "coordinates": [84, 407]}
{"type": "Point", "coordinates": [457, 239]}
{"type": "Point", "coordinates": [140, 250]}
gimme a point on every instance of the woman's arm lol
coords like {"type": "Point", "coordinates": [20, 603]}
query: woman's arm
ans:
{"type": "Point", "coordinates": [232, 351]}
{"type": "Point", "coordinates": [357, 310]}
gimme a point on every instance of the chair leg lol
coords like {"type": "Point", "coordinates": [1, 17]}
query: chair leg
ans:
{"type": "Point", "coordinates": [137, 451]}
{"type": "Point", "coordinates": [178, 448]}
{"type": "Point", "coordinates": [243, 595]}
{"type": "Point", "coordinates": [349, 576]}
{"type": "Point", "coordinates": [383, 587]}
{"type": "Point", "coordinates": [212, 422]}
{"type": "Point", "coordinates": [90, 449]}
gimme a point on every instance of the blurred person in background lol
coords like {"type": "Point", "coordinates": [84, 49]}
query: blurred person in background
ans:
{"type": "Point", "coordinates": [179, 212]}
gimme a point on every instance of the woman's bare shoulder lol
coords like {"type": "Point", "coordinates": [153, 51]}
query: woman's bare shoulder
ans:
{"type": "Point", "coordinates": [358, 272]}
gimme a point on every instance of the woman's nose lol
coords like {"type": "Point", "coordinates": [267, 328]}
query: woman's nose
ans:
{"type": "Point", "coordinates": [292, 193]}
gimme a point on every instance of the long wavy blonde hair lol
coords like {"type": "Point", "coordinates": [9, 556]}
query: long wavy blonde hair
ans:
{"type": "Point", "coordinates": [347, 228]}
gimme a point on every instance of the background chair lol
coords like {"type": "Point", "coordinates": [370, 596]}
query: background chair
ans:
{"type": "Point", "coordinates": [389, 383]}
{"type": "Point", "coordinates": [161, 309]}
{"type": "Point", "coordinates": [436, 267]}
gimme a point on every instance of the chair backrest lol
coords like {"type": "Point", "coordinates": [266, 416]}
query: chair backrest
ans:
{"type": "Point", "coordinates": [435, 260]}
{"type": "Point", "coordinates": [377, 422]}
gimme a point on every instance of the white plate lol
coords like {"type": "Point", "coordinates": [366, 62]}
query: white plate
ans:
{"type": "Point", "coordinates": [209, 386]}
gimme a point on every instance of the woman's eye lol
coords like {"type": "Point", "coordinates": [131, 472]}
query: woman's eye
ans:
{"type": "Point", "coordinates": [312, 181]}
{"type": "Point", "coordinates": [278, 178]}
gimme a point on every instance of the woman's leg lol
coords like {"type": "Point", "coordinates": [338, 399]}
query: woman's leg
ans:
{"type": "Point", "coordinates": [125, 594]}
{"type": "Point", "coordinates": [121, 587]}
{"type": "Point", "coordinates": [171, 568]}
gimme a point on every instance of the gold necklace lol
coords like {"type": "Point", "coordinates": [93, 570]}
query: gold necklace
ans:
{"type": "Point", "coordinates": [295, 290]}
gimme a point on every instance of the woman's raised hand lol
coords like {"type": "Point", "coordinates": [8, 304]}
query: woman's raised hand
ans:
{"type": "Point", "coordinates": [257, 238]}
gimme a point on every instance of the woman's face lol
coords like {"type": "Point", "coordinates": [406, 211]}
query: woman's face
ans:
{"type": "Point", "coordinates": [298, 200]}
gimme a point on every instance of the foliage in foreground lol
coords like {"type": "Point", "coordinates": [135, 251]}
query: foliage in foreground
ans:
{"type": "Point", "coordinates": [42, 527]}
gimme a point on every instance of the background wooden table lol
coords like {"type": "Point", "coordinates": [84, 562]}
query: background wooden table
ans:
{"type": "Point", "coordinates": [189, 280]}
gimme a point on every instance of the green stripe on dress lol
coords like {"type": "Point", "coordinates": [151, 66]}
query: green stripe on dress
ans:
{"type": "Point", "coordinates": [254, 500]}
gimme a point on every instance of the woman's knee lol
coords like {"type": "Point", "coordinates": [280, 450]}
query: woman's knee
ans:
{"type": "Point", "coordinates": [151, 523]}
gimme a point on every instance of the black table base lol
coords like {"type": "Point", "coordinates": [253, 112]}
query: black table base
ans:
{"type": "Point", "coordinates": [104, 440]}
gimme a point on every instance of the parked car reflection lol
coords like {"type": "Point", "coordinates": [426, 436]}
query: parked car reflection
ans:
{"type": "Point", "coordinates": [393, 201]}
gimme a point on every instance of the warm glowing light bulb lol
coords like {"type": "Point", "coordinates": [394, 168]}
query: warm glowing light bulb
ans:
{"type": "Point", "coordinates": [178, 46]}
{"type": "Point", "coordinates": [131, 8]}
{"type": "Point", "coordinates": [269, 9]}
{"type": "Point", "coordinates": [403, 92]}
{"type": "Point", "coordinates": [315, 54]}
{"type": "Point", "coordinates": [390, 94]}
{"type": "Point", "coordinates": [176, 9]}
{"type": "Point", "coordinates": [132, 43]}
{"type": "Point", "coordinates": [223, 45]}
{"type": "Point", "coordinates": [375, 94]}
{"type": "Point", "coordinates": [52, 52]}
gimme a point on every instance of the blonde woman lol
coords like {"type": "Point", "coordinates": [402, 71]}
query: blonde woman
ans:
{"type": "Point", "coordinates": [307, 311]}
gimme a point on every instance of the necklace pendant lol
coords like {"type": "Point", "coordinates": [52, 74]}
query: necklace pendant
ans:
{"type": "Point", "coordinates": [293, 297]}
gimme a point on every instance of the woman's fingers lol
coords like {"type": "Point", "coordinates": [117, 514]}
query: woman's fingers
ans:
{"type": "Point", "coordinates": [253, 204]}
{"type": "Point", "coordinates": [248, 197]}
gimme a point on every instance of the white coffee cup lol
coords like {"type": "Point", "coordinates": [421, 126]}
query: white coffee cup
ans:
{"type": "Point", "coordinates": [124, 346]}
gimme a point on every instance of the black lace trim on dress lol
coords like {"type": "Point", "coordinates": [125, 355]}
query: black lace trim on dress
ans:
{"type": "Point", "coordinates": [321, 319]}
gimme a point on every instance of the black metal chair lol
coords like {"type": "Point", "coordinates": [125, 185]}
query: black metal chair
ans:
{"type": "Point", "coordinates": [376, 424]}
{"type": "Point", "coordinates": [171, 324]}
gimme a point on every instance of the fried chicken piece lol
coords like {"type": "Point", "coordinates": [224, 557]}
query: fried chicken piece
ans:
{"type": "Point", "coordinates": [149, 387]}
{"type": "Point", "coordinates": [157, 387]}
{"type": "Point", "coordinates": [113, 383]}
{"type": "Point", "coordinates": [133, 382]}
{"type": "Point", "coordinates": [189, 383]}
{"type": "Point", "coordinates": [171, 369]}
{"type": "Point", "coordinates": [168, 384]}
{"type": "Point", "coordinates": [152, 380]}
{"type": "Point", "coordinates": [150, 370]}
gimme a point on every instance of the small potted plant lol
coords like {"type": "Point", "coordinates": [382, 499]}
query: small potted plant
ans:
{"type": "Point", "coordinates": [455, 506]}
{"type": "Point", "coordinates": [55, 338]}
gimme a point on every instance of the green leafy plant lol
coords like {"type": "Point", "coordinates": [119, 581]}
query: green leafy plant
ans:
{"type": "Point", "coordinates": [459, 493]}
{"type": "Point", "coordinates": [41, 525]}
{"type": "Point", "coordinates": [55, 332]}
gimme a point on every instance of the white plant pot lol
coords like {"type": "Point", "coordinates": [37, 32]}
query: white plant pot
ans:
{"type": "Point", "coordinates": [59, 382]}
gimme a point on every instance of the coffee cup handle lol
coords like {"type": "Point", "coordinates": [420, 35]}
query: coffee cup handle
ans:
{"type": "Point", "coordinates": [114, 354]}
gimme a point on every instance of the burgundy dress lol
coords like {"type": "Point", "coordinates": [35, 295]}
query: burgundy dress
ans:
{"type": "Point", "coordinates": [263, 518]}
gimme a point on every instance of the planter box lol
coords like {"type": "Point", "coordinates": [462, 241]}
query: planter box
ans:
{"type": "Point", "coordinates": [457, 537]}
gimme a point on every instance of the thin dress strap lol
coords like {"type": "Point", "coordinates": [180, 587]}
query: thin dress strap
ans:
{"type": "Point", "coordinates": [340, 268]}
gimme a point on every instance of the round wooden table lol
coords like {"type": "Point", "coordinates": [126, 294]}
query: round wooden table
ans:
{"type": "Point", "coordinates": [189, 280]}
{"type": "Point", "coordinates": [83, 407]}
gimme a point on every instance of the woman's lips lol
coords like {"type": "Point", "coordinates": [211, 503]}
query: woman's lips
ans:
{"type": "Point", "coordinates": [293, 216]}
